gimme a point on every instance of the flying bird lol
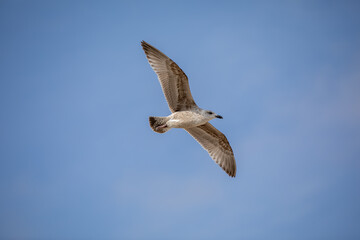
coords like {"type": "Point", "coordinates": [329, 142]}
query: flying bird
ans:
{"type": "Point", "coordinates": [185, 113]}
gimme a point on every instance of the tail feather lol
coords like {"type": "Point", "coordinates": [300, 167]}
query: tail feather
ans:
{"type": "Point", "coordinates": [156, 122]}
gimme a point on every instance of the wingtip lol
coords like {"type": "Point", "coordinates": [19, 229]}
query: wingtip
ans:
{"type": "Point", "coordinates": [145, 46]}
{"type": "Point", "coordinates": [232, 175]}
{"type": "Point", "coordinates": [143, 43]}
{"type": "Point", "coordinates": [229, 172]}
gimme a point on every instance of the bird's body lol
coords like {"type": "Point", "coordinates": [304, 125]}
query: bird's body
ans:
{"type": "Point", "coordinates": [185, 113]}
{"type": "Point", "coordinates": [186, 119]}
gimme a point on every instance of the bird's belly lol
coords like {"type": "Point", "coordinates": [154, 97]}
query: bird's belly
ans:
{"type": "Point", "coordinates": [185, 119]}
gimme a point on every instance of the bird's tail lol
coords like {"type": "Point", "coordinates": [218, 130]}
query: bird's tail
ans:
{"type": "Point", "coordinates": [158, 124]}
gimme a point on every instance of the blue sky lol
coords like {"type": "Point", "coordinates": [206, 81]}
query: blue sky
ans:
{"type": "Point", "coordinates": [79, 161]}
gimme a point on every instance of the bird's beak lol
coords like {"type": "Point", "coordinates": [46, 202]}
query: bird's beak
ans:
{"type": "Point", "coordinates": [218, 116]}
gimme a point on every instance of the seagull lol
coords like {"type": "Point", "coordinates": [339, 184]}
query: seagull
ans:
{"type": "Point", "coordinates": [184, 111]}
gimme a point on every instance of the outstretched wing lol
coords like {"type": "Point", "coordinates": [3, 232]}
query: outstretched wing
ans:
{"type": "Point", "coordinates": [173, 80]}
{"type": "Point", "coordinates": [217, 145]}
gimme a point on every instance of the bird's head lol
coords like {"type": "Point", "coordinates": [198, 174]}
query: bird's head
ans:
{"type": "Point", "coordinates": [211, 115]}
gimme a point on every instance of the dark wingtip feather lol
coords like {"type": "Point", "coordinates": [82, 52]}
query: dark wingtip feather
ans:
{"type": "Point", "coordinates": [145, 45]}
{"type": "Point", "coordinates": [147, 48]}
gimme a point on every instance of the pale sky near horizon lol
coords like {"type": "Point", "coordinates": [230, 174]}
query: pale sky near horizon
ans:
{"type": "Point", "coordinates": [78, 159]}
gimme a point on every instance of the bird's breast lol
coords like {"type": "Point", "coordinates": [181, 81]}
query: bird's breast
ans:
{"type": "Point", "coordinates": [185, 119]}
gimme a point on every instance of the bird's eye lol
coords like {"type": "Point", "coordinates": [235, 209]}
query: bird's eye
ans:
{"type": "Point", "coordinates": [209, 112]}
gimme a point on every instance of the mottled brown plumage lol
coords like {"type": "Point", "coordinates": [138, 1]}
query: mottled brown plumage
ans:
{"type": "Point", "coordinates": [185, 113]}
{"type": "Point", "coordinates": [173, 80]}
{"type": "Point", "coordinates": [210, 139]}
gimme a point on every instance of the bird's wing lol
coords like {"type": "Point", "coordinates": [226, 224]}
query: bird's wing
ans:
{"type": "Point", "coordinates": [173, 80]}
{"type": "Point", "coordinates": [216, 144]}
